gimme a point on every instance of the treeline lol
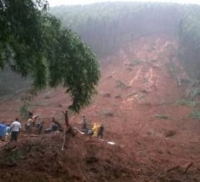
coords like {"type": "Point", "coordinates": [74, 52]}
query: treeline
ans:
{"type": "Point", "coordinates": [106, 26]}
{"type": "Point", "coordinates": [189, 45]}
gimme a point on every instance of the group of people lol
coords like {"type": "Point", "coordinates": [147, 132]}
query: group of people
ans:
{"type": "Point", "coordinates": [12, 130]}
{"type": "Point", "coordinates": [32, 122]}
{"type": "Point", "coordinates": [96, 130]}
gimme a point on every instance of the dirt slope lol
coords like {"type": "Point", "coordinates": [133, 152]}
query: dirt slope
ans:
{"type": "Point", "coordinates": [138, 104]}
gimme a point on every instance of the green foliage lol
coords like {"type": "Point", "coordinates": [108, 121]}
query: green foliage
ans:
{"type": "Point", "coordinates": [188, 103]}
{"type": "Point", "coordinates": [33, 43]}
{"type": "Point", "coordinates": [195, 114]}
{"type": "Point", "coordinates": [135, 62]}
{"type": "Point", "coordinates": [140, 96]}
{"type": "Point", "coordinates": [194, 90]}
{"type": "Point", "coordinates": [189, 37]}
{"type": "Point", "coordinates": [172, 68]}
{"type": "Point", "coordinates": [120, 84]}
{"type": "Point", "coordinates": [161, 116]}
{"type": "Point", "coordinates": [24, 110]}
{"type": "Point", "coordinates": [15, 156]}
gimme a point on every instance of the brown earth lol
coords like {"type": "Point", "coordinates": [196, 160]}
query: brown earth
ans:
{"type": "Point", "coordinates": [155, 139]}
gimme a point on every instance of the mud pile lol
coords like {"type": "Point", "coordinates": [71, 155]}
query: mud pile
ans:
{"type": "Point", "coordinates": [41, 159]}
{"type": "Point", "coordinates": [83, 160]}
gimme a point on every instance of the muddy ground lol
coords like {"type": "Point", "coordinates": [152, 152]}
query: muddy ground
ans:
{"type": "Point", "coordinates": [144, 109]}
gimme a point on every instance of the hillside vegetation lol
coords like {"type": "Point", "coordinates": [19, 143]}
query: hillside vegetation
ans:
{"type": "Point", "coordinates": [106, 27]}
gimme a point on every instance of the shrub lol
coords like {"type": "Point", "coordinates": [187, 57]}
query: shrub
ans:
{"type": "Point", "coordinates": [24, 110]}
{"type": "Point", "coordinates": [161, 116]}
{"type": "Point", "coordinates": [135, 62]}
{"type": "Point", "coordinates": [188, 103]}
{"type": "Point", "coordinates": [121, 85]}
{"type": "Point", "coordinates": [195, 114]}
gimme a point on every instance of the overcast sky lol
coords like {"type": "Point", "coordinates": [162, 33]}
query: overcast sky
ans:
{"type": "Point", "coordinates": [76, 2]}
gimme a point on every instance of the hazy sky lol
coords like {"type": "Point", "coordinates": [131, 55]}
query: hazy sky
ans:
{"type": "Point", "coordinates": [75, 2]}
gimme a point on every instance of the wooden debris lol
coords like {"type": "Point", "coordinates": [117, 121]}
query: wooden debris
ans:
{"type": "Point", "coordinates": [188, 166]}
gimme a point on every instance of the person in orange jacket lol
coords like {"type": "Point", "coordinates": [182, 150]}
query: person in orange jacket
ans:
{"type": "Point", "coordinates": [95, 129]}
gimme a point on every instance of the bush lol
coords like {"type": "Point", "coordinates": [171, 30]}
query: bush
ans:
{"type": "Point", "coordinates": [161, 116]}
{"type": "Point", "coordinates": [135, 62]}
{"type": "Point", "coordinates": [195, 114]}
{"type": "Point", "coordinates": [24, 110]}
{"type": "Point", "coordinates": [172, 68]}
{"type": "Point", "coordinates": [121, 85]}
{"type": "Point", "coordinates": [188, 103]}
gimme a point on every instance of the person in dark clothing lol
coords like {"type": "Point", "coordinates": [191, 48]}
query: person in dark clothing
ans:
{"type": "Point", "coordinates": [100, 132]}
{"type": "Point", "coordinates": [30, 114]}
{"type": "Point", "coordinates": [59, 126]}
{"type": "Point", "coordinates": [54, 127]}
{"type": "Point", "coordinates": [84, 128]}
{"type": "Point", "coordinates": [39, 127]}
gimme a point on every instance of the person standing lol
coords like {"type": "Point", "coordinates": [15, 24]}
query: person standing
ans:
{"type": "Point", "coordinates": [39, 125]}
{"type": "Point", "coordinates": [30, 114]}
{"type": "Point", "coordinates": [95, 129]}
{"type": "Point", "coordinates": [28, 125]}
{"type": "Point", "coordinates": [2, 131]}
{"type": "Point", "coordinates": [84, 128]}
{"type": "Point", "coordinates": [100, 132]}
{"type": "Point", "coordinates": [7, 132]}
{"type": "Point", "coordinates": [15, 129]}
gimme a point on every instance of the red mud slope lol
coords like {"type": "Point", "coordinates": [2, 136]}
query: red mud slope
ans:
{"type": "Point", "coordinates": [138, 102]}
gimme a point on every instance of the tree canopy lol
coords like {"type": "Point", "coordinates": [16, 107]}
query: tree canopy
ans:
{"type": "Point", "coordinates": [34, 44]}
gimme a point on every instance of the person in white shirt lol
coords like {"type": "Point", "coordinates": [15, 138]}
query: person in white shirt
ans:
{"type": "Point", "coordinates": [15, 129]}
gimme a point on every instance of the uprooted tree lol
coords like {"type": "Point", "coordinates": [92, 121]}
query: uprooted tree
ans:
{"type": "Point", "coordinates": [33, 43]}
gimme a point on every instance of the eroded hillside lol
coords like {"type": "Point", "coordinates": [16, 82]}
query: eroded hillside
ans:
{"type": "Point", "coordinates": [139, 98]}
